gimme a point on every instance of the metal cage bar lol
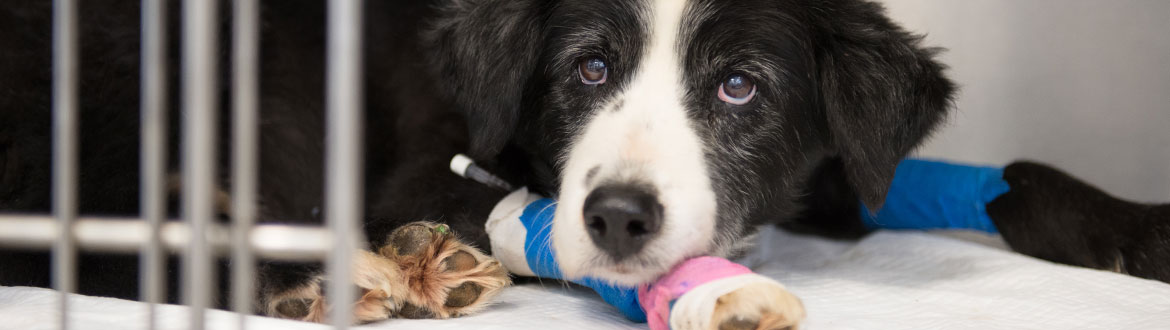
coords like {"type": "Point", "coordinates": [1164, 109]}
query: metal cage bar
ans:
{"type": "Point", "coordinates": [197, 236]}
{"type": "Point", "coordinates": [153, 159]}
{"type": "Point", "coordinates": [129, 235]}
{"type": "Point", "coordinates": [65, 125]}
{"type": "Point", "coordinates": [245, 132]}
{"type": "Point", "coordinates": [199, 100]}
{"type": "Point", "coordinates": [343, 167]}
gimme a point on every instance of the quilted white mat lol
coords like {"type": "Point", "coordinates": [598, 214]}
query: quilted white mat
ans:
{"type": "Point", "coordinates": [890, 280]}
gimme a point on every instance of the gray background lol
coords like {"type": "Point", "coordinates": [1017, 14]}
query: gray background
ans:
{"type": "Point", "coordinates": [1082, 84]}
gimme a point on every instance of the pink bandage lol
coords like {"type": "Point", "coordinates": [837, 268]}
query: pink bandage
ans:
{"type": "Point", "coordinates": [656, 298]}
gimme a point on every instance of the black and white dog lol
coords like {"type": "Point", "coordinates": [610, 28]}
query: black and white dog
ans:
{"type": "Point", "coordinates": [667, 129]}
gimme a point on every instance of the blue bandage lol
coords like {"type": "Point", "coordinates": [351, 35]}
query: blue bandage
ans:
{"type": "Point", "coordinates": [937, 195]}
{"type": "Point", "coordinates": [537, 219]}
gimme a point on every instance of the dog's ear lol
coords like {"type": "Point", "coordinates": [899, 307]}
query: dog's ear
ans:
{"type": "Point", "coordinates": [484, 52]}
{"type": "Point", "coordinates": [882, 93]}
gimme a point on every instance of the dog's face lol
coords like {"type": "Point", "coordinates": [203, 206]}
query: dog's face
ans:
{"type": "Point", "coordinates": [673, 125]}
{"type": "Point", "coordinates": [672, 113]}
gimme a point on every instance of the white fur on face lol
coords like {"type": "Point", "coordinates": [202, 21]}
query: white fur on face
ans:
{"type": "Point", "coordinates": [645, 138]}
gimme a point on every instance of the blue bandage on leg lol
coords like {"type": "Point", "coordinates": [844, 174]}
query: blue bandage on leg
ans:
{"type": "Point", "coordinates": [537, 218]}
{"type": "Point", "coordinates": [936, 195]}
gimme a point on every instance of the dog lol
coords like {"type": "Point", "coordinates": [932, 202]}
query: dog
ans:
{"type": "Point", "coordinates": [667, 129]}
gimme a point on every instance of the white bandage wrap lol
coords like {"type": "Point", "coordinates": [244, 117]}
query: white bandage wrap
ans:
{"type": "Point", "coordinates": [507, 233]}
{"type": "Point", "coordinates": [693, 310]}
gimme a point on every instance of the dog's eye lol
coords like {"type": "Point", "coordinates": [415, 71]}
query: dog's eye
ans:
{"type": "Point", "coordinates": [593, 70]}
{"type": "Point", "coordinates": [737, 89]}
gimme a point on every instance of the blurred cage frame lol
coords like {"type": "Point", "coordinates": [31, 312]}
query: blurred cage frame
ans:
{"type": "Point", "coordinates": [197, 237]}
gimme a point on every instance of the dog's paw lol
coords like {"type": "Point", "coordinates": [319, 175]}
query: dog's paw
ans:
{"type": "Point", "coordinates": [1146, 253]}
{"type": "Point", "coordinates": [423, 271]}
{"type": "Point", "coordinates": [1052, 215]}
{"type": "Point", "coordinates": [445, 277]}
{"type": "Point", "coordinates": [380, 279]}
{"type": "Point", "coordinates": [745, 302]}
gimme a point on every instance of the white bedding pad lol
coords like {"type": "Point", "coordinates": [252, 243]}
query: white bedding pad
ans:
{"type": "Point", "coordinates": [889, 280]}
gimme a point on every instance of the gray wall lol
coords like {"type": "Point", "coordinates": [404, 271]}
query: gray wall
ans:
{"type": "Point", "coordinates": [1082, 84]}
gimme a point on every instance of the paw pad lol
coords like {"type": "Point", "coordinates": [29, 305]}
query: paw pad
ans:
{"type": "Point", "coordinates": [463, 295]}
{"type": "Point", "coordinates": [747, 324]}
{"type": "Point", "coordinates": [411, 311]}
{"type": "Point", "coordinates": [422, 272]}
{"type": "Point", "coordinates": [294, 308]}
{"type": "Point", "coordinates": [459, 261]}
{"type": "Point", "coordinates": [409, 240]}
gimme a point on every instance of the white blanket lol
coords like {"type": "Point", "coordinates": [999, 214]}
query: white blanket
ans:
{"type": "Point", "coordinates": [889, 280]}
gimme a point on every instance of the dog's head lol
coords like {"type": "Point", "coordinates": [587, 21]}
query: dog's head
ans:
{"type": "Point", "coordinates": [674, 125]}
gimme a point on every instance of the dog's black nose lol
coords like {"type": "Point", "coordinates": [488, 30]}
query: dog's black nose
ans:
{"type": "Point", "coordinates": [622, 218]}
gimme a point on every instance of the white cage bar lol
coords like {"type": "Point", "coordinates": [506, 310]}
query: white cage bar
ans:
{"type": "Point", "coordinates": [196, 236]}
{"type": "Point", "coordinates": [65, 149]}
{"type": "Point", "coordinates": [343, 189]}
{"type": "Point", "coordinates": [153, 199]}
{"type": "Point", "coordinates": [199, 128]}
{"type": "Point", "coordinates": [245, 135]}
{"type": "Point", "coordinates": [129, 235]}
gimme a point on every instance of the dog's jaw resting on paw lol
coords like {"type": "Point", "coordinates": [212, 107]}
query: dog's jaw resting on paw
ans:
{"type": "Point", "coordinates": [423, 271]}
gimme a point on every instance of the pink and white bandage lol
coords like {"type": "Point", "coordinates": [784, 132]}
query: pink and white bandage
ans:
{"type": "Point", "coordinates": [658, 298]}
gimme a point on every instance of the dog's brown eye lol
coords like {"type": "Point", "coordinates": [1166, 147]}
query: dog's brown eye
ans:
{"type": "Point", "coordinates": [593, 70]}
{"type": "Point", "coordinates": [737, 89]}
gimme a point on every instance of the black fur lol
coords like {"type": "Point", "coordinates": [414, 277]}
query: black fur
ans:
{"type": "Point", "coordinates": [1051, 215]}
{"type": "Point", "coordinates": [845, 94]}
{"type": "Point", "coordinates": [487, 54]}
{"type": "Point", "coordinates": [882, 93]}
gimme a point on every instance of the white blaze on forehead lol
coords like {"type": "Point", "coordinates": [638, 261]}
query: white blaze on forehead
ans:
{"type": "Point", "coordinates": [645, 138]}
